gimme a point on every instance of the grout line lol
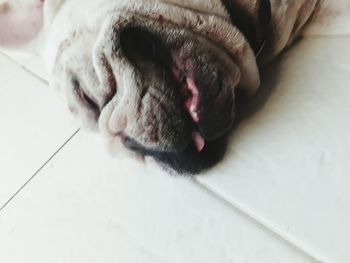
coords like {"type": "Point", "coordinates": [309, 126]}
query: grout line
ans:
{"type": "Point", "coordinates": [21, 65]}
{"type": "Point", "coordinates": [37, 172]}
{"type": "Point", "coordinates": [45, 81]}
{"type": "Point", "coordinates": [265, 225]}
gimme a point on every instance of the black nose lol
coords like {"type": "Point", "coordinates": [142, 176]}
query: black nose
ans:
{"type": "Point", "coordinates": [139, 45]}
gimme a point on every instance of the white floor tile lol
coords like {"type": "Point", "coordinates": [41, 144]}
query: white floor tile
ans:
{"type": "Point", "coordinates": [86, 206]}
{"type": "Point", "coordinates": [7, 69]}
{"type": "Point", "coordinates": [34, 124]}
{"type": "Point", "coordinates": [288, 163]}
{"type": "Point", "coordinates": [29, 60]}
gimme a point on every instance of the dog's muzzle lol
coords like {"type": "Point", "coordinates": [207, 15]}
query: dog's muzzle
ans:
{"type": "Point", "coordinates": [166, 88]}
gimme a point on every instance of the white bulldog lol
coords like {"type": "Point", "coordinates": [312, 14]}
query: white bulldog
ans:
{"type": "Point", "coordinates": [161, 75]}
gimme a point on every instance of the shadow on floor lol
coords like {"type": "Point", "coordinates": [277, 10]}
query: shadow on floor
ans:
{"type": "Point", "coordinates": [246, 107]}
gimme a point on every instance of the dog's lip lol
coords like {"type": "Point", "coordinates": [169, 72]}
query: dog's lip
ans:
{"type": "Point", "coordinates": [191, 97]}
{"type": "Point", "coordinates": [199, 89]}
{"type": "Point", "coordinates": [190, 92]}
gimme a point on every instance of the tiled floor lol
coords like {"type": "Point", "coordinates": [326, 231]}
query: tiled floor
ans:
{"type": "Point", "coordinates": [279, 196]}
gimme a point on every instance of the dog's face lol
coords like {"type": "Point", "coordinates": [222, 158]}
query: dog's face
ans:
{"type": "Point", "coordinates": [159, 76]}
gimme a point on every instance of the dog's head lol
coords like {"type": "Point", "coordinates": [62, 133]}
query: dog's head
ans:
{"type": "Point", "coordinates": [160, 77]}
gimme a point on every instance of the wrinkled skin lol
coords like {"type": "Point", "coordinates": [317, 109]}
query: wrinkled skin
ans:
{"type": "Point", "coordinates": [161, 76]}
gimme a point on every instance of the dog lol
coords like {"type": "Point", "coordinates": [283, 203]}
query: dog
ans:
{"type": "Point", "coordinates": [161, 76]}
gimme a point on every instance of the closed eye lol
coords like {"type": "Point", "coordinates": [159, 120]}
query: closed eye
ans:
{"type": "Point", "coordinates": [84, 98]}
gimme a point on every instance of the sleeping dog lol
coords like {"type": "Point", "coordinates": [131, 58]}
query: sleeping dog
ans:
{"type": "Point", "coordinates": [161, 75]}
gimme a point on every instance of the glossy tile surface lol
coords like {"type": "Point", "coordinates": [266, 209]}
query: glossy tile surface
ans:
{"type": "Point", "coordinates": [34, 126]}
{"type": "Point", "coordinates": [288, 164]}
{"type": "Point", "coordinates": [86, 206]}
{"type": "Point", "coordinates": [27, 59]}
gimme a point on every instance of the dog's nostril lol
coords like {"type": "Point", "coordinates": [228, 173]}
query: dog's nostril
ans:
{"type": "Point", "coordinates": [139, 44]}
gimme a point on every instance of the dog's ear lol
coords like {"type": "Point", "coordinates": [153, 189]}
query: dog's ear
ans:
{"type": "Point", "coordinates": [20, 21]}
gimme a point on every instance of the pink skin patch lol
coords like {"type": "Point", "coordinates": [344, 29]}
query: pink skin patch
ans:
{"type": "Point", "coordinates": [190, 92]}
{"type": "Point", "coordinates": [198, 140]}
{"type": "Point", "coordinates": [191, 104]}
{"type": "Point", "coordinates": [20, 24]}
